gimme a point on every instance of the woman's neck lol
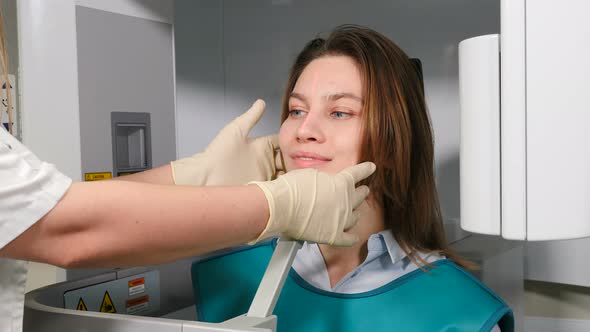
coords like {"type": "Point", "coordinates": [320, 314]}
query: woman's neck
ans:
{"type": "Point", "coordinates": [341, 260]}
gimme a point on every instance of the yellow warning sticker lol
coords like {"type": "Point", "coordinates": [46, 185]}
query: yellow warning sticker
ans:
{"type": "Point", "coordinates": [97, 176]}
{"type": "Point", "coordinates": [107, 304]}
{"type": "Point", "coordinates": [81, 305]}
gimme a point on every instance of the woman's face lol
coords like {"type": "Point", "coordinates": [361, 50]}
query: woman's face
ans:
{"type": "Point", "coordinates": [323, 129]}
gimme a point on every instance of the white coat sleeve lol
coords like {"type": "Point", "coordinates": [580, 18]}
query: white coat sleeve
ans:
{"type": "Point", "coordinates": [29, 188]}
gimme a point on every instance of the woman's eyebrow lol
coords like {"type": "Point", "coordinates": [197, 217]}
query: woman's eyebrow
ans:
{"type": "Point", "coordinates": [336, 96]}
{"type": "Point", "coordinates": [329, 97]}
{"type": "Point", "coordinates": [298, 96]}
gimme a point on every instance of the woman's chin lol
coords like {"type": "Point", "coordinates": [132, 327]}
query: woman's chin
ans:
{"type": "Point", "coordinates": [326, 168]}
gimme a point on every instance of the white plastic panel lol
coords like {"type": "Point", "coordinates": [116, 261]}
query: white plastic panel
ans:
{"type": "Point", "coordinates": [558, 119]}
{"type": "Point", "coordinates": [479, 92]}
{"type": "Point", "coordinates": [49, 93]}
{"type": "Point", "coordinates": [49, 82]}
{"type": "Point", "coordinates": [545, 261]}
{"type": "Point", "coordinates": [513, 119]}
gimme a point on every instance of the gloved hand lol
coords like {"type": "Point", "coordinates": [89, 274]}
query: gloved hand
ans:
{"type": "Point", "coordinates": [231, 158]}
{"type": "Point", "coordinates": [307, 204]}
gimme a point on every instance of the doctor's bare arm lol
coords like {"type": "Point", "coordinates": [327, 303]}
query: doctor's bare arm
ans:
{"type": "Point", "coordinates": [131, 224]}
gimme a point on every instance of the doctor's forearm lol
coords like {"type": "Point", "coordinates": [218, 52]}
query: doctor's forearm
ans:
{"type": "Point", "coordinates": [141, 224]}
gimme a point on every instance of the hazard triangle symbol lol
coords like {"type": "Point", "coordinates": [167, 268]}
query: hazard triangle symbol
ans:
{"type": "Point", "coordinates": [107, 304]}
{"type": "Point", "coordinates": [81, 305]}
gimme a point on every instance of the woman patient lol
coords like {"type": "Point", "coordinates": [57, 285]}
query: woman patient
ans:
{"type": "Point", "coordinates": [355, 97]}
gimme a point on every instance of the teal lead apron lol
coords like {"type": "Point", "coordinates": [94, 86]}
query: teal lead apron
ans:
{"type": "Point", "coordinates": [446, 298]}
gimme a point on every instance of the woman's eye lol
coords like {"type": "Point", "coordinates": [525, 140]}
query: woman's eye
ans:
{"type": "Point", "coordinates": [340, 115]}
{"type": "Point", "coordinates": [296, 113]}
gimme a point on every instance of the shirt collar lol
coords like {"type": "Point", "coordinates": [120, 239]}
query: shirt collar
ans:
{"type": "Point", "coordinates": [384, 241]}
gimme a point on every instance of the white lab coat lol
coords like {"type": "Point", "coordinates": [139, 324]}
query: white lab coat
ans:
{"type": "Point", "coordinates": [29, 188]}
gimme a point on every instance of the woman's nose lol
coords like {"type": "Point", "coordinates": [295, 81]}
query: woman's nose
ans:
{"type": "Point", "coordinates": [310, 129]}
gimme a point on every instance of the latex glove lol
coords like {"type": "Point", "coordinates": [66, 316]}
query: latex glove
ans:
{"type": "Point", "coordinates": [307, 204]}
{"type": "Point", "coordinates": [231, 158]}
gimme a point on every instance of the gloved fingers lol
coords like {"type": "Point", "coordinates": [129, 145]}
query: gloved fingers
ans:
{"type": "Point", "coordinates": [274, 141]}
{"type": "Point", "coordinates": [356, 216]}
{"type": "Point", "coordinates": [248, 120]}
{"type": "Point", "coordinates": [345, 240]}
{"type": "Point", "coordinates": [360, 171]}
{"type": "Point", "coordinates": [280, 162]}
{"type": "Point", "coordinates": [359, 196]}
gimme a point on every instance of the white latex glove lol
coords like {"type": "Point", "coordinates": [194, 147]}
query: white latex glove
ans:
{"type": "Point", "coordinates": [307, 204]}
{"type": "Point", "coordinates": [231, 158]}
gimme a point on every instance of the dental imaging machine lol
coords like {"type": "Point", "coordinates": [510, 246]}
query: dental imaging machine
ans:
{"type": "Point", "coordinates": [137, 76]}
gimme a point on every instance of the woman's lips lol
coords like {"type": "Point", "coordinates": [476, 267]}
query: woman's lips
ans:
{"type": "Point", "coordinates": [303, 159]}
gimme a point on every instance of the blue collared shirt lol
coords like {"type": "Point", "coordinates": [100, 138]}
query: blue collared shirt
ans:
{"type": "Point", "coordinates": [385, 262]}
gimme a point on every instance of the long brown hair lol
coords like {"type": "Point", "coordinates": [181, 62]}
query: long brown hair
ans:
{"type": "Point", "coordinates": [4, 73]}
{"type": "Point", "coordinates": [397, 136]}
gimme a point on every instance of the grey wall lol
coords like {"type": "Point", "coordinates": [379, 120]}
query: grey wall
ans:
{"type": "Point", "coordinates": [230, 52]}
{"type": "Point", "coordinates": [125, 64]}
{"type": "Point", "coordinates": [200, 85]}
